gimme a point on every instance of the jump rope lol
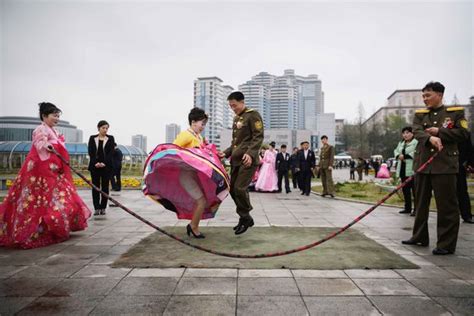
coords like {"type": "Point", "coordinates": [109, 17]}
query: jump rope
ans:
{"type": "Point", "coordinates": [244, 256]}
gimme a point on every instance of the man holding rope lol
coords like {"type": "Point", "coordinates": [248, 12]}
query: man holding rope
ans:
{"type": "Point", "coordinates": [437, 128]}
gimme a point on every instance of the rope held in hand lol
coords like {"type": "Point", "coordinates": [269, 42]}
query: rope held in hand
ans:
{"type": "Point", "coordinates": [257, 256]}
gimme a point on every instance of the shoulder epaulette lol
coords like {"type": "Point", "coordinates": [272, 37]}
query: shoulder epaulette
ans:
{"type": "Point", "coordinates": [422, 111]}
{"type": "Point", "coordinates": [454, 108]}
{"type": "Point", "coordinates": [248, 110]}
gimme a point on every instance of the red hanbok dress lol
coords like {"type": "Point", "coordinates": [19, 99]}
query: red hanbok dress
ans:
{"type": "Point", "coordinates": [42, 206]}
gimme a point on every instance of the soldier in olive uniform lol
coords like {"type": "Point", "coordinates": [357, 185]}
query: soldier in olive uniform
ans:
{"type": "Point", "coordinates": [437, 128]}
{"type": "Point", "coordinates": [326, 162]}
{"type": "Point", "coordinates": [247, 138]}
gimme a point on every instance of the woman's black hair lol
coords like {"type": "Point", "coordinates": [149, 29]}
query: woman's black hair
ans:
{"type": "Point", "coordinates": [407, 129]}
{"type": "Point", "coordinates": [46, 108]}
{"type": "Point", "coordinates": [273, 144]}
{"type": "Point", "coordinates": [102, 123]}
{"type": "Point", "coordinates": [197, 114]}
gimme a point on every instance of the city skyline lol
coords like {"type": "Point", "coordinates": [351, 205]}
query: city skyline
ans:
{"type": "Point", "coordinates": [133, 63]}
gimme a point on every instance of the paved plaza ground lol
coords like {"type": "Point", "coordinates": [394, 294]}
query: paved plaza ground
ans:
{"type": "Point", "coordinates": [75, 277]}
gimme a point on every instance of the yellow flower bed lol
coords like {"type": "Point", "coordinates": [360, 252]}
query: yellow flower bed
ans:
{"type": "Point", "coordinates": [127, 182]}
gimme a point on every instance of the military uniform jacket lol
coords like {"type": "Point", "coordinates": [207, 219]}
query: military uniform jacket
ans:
{"type": "Point", "coordinates": [326, 156]}
{"type": "Point", "coordinates": [453, 129]}
{"type": "Point", "coordinates": [247, 137]}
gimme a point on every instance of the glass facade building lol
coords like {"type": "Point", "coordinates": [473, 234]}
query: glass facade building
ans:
{"type": "Point", "coordinates": [20, 128]}
{"type": "Point", "coordinates": [13, 154]}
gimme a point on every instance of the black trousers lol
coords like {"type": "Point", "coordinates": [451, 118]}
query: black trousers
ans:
{"type": "Point", "coordinates": [115, 180]}
{"type": "Point", "coordinates": [101, 179]}
{"type": "Point", "coordinates": [306, 181]}
{"type": "Point", "coordinates": [463, 196]}
{"type": "Point", "coordinates": [408, 191]}
{"type": "Point", "coordinates": [294, 178]}
{"type": "Point", "coordinates": [281, 175]}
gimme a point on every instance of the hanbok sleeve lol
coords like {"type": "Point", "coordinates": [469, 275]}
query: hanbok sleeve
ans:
{"type": "Point", "coordinates": [183, 139]}
{"type": "Point", "coordinates": [41, 142]}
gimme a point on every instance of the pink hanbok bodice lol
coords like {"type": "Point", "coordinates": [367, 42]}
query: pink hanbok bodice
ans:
{"type": "Point", "coordinates": [267, 178]}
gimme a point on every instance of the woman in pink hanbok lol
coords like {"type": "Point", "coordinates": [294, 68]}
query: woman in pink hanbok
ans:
{"type": "Point", "coordinates": [383, 172]}
{"type": "Point", "coordinates": [42, 206]}
{"type": "Point", "coordinates": [267, 178]}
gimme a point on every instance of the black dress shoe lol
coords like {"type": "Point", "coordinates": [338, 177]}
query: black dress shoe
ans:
{"type": "Point", "coordinates": [190, 232]}
{"type": "Point", "coordinates": [469, 221]}
{"type": "Point", "coordinates": [442, 252]}
{"type": "Point", "coordinates": [415, 243]}
{"type": "Point", "coordinates": [238, 225]}
{"type": "Point", "coordinates": [323, 195]}
{"type": "Point", "coordinates": [246, 223]}
{"type": "Point", "coordinates": [302, 193]}
{"type": "Point", "coordinates": [404, 212]}
{"type": "Point", "coordinates": [331, 195]}
{"type": "Point", "coordinates": [412, 214]}
{"type": "Point", "coordinates": [288, 192]}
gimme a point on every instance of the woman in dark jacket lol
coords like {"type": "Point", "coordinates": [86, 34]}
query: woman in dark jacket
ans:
{"type": "Point", "coordinates": [101, 148]}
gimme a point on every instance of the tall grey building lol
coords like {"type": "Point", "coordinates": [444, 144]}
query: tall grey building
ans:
{"type": "Point", "coordinates": [209, 95]}
{"type": "Point", "coordinates": [287, 101]}
{"type": "Point", "coordinates": [172, 130]}
{"type": "Point", "coordinates": [257, 97]}
{"type": "Point", "coordinates": [284, 104]}
{"type": "Point", "coordinates": [228, 113]}
{"type": "Point", "coordinates": [139, 141]}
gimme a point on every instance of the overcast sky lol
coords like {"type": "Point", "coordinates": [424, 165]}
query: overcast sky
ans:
{"type": "Point", "coordinates": [133, 63]}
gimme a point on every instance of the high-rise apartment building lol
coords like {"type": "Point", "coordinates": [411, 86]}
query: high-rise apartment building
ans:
{"type": "Point", "coordinates": [172, 130]}
{"type": "Point", "coordinates": [211, 96]}
{"type": "Point", "coordinates": [139, 141]}
{"type": "Point", "coordinates": [257, 97]}
{"type": "Point", "coordinates": [228, 113]}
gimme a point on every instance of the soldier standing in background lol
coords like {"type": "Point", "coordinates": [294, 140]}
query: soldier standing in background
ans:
{"type": "Point", "coordinates": [326, 162]}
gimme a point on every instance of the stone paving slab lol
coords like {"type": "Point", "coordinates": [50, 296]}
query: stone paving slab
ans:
{"type": "Point", "coordinates": [327, 287]}
{"type": "Point", "coordinates": [206, 286]}
{"type": "Point", "coordinates": [73, 305]}
{"type": "Point", "coordinates": [132, 305]}
{"type": "Point", "coordinates": [201, 305]}
{"type": "Point", "coordinates": [75, 277]}
{"type": "Point", "coordinates": [340, 305]}
{"type": "Point", "coordinates": [132, 286]}
{"type": "Point", "coordinates": [386, 287]}
{"type": "Point", "coordinates": [270, 305]}
{"type": "Point", "coordinates": [408, 305]}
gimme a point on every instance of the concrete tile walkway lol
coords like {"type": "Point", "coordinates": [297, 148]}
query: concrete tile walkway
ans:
{"type": "Point", "coordinates": [75, 278]}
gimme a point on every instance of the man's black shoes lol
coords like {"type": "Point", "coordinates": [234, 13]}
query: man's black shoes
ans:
{"type": "Point", "coordinates": [415, 243]}
{"type": "Point", "coordinates": [247, 222]}
{"type": "Point", "coordinates": [238, 225]}
{"type": "Point", "coordinates": [442, 252]}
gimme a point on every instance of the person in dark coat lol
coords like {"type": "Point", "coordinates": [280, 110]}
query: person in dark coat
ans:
{"type": "Point", "coordinates": [306, 165]}
{"type": "Point", "coordinates": [101, 147]}
{"type": "Point", "coordinates": [293, 165]}
{"type": "Point", "coordinates": [466, 160]}
{"type": "Point", "coordinates": [115, 179]}
{"type": "Point", "coordinates": [283, 166]}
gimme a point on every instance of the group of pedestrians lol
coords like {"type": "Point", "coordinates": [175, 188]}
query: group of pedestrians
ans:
{"type": "Point", "coordinates": [42, 206]}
